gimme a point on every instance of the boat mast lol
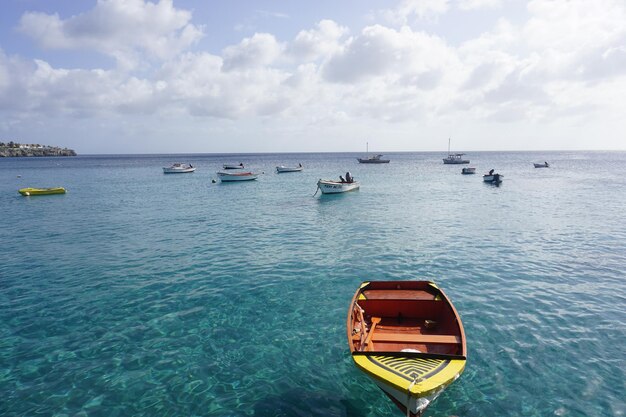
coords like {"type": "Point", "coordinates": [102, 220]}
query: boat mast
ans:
{"type": "Point", "coordinates": [448, 146]}
{"type": "Point", "coordinates": [367, 148]}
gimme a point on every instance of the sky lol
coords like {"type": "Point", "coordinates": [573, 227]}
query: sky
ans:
{"type": "Point", "coordinates": [170, 76]}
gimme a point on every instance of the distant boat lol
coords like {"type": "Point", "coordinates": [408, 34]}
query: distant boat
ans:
{"type": "Point", "coordinates": [408, 338]}
{"type": "Point", "coordinates": [544, 165]}
{"type": "Point", "coordinates": [236, 176]}
{"type": "Point", "coordinates": [493, 178]}
{"type": "Point", "coordinates": [179, 168]}
{"type": "Point", "coordinates": [372, 159]}
{"type": "Point", "coordinates": [454, 158]}
{"type": "Point", "coordinates": [41, 191]}
{"type": "Point", "coordinates": [335, 187]}
{"type": "Point", "coordinates": [282, 168]}
{"type": "Point", "coordinates": [466, 171]}
{"type": "Point", "coordinates": [232, 166]}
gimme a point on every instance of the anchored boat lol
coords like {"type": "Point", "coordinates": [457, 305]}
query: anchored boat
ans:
{"type": "Point", "coordinates": [408, 338]}
{"type": "Point", "coordinates": [236, 176]}
{"type": "Point", "coordinates": [372, 159]}
{"type": "Point", "coordinates": [335, 187]}
{"type": "Point", "coordinates": [493, 178]}
{"type": "Point", "coordinates": [41, 191]}
{"type": "Point", "coordinates": [544, 165]}
{"type": "Point", "coordinates": [454, 158]}
{"type": "Point", "coordinates": [179, 168]}
{"type": "Point", "coordinates": [282, 168]}
{"type": "Point", "coordinates": [232, 166]}
{"type": "Point", "coordinates": [468, 171]}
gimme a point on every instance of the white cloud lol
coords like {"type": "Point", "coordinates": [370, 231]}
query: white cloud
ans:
{"type": "Point", "coordinates": [259, 50]}
{"type": "Point", "coordinates": [514, 70]}
{"type": "Point", "coordinates": [321, 41]}
{"type": "Point", "coordinates": [383, 52]}
{"type": "Point", "coordinates": [197, 85]}
{"type": "Point", "coordinates": [410, 10]}
{"type": "Point", "coordinates": [14, 73]}
{"type": "Point", "coordinates": [119, 28]}
{"type": "Point", "coordinates": [571, 36]}
{"type": "Point", "coordinates": [490, 58]}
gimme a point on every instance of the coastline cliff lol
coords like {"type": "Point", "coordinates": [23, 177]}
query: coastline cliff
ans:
{"type": "Point", "coordinates": [12, 149]}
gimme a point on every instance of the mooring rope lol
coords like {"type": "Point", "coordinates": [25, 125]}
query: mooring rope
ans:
{"type": "Point", "coordinates": [408, 402]}
{"type": "Point", "coordinates": [318, 188]}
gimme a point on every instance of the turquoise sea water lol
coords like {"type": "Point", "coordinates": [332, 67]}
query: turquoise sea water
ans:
{"type": "Point", "coordinates": [143, 294]}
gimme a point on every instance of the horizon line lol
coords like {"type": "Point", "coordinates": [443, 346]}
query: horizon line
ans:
{"type": "Point", "coordinates": [346, 152]}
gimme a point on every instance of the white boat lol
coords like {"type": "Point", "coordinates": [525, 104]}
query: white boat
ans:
{"type": "Point", "coordinates": [454, 158]}
{"type": "Point", "coordinates": [179, 168]}
{"type": "Point", "coordinates": [335, 187]}
{"type": "Point", "coordinates": [466, 171]}
{"type": "Point", "coordinates": [544, 165]}
{"type": "Point", "coordinates": [493, 178]}
{"type": "Point", "coordinates": [236, 176]}
{"type": "Point", "coordinates": [372, 159]}
{"type": "Point", "coordinates": [232, 166]}
{"type": "Point", "coordinates": [282, 168]}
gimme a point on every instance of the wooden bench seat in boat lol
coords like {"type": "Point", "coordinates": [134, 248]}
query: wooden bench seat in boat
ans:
{"type": "Point", "coordinates": [374, 336]}
{"type": "Point", "coordinates": [398, 295]}
{"type": "Point", "coordinates": [404, 308]}
{"type": "Point", "coordinates": [414, 338]}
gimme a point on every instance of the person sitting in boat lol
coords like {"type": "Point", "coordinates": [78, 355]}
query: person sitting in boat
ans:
{"type": "Point", "coordinates": [546, 164]}
{"type": "Point", "coordinates": [300, 165]}
{"type": "Point", "coordinates": [491, 172]}
{"type": "Point", "coordinates": [349, 178]}
{"type": "Point", "coordinates": [341, 179]}
{"type": "Point", "coordinates": [241, 164]}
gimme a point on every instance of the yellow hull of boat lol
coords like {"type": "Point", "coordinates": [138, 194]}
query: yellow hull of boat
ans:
{"type": "Point", "coordinates": [41, 191]}
{"type": "Point", "coordinates": [418, 377]}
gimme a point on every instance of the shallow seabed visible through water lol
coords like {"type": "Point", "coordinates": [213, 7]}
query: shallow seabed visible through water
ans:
{"type": "Point", "coordinates": [144, 294]}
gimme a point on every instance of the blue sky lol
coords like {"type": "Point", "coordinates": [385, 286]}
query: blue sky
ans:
{"type": "Point", "coordinates": [135, 76]}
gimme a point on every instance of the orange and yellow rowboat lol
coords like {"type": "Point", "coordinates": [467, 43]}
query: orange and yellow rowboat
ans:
{"type": "Point", "coordinates": [408, 338]}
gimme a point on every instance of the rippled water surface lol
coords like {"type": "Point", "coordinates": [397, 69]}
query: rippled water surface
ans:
{"type": "Point", "coordinates": [143, 294]}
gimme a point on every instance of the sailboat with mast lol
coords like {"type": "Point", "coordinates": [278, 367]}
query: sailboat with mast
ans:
{"type": "Point", "coordinates": [455, 158]}
{"type": "Point", "coordinates": [372, 159]}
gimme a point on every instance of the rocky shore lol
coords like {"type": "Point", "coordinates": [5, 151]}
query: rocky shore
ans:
{"type": "Point", "coordinates": [6, 151]}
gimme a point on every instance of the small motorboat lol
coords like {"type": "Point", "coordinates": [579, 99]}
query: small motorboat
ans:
{"type": "Point", "coordinates": [282, 168]}
{"type": "Point", "coordinates": [467, 171]}
{"type": "Point", "coordinates": [372, 159]}
{"type": "Point", "coordinates": [41, 191]}
{"type": "Point", "coordinates": [408, 338]}
{"type": "Point", "coordinates": [493, 178]}
{"type": "Point", "coordinates": [335, 187]}
{"type": "Point", "coordinates": [454, 158]}
{"type": "Point", "coordinates": [231, 166]}
{"type": "Point", "coordinates": [544, 165]}
{"type": "Point", "coordinates": [236, 176]}
{"type": "Point", "coordinates": [179, 168]}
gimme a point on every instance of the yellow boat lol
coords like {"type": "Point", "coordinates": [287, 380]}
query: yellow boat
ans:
{"type": "Point", "coordinates": [41, 191]}
{"type": "Point", "coordinates": [408, 338]}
